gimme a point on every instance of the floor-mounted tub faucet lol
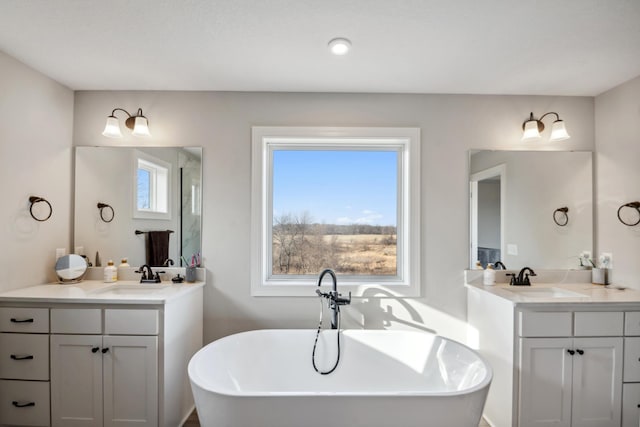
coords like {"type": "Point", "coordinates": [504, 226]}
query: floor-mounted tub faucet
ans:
{"type": "Point", "coordinates": [334, 299]}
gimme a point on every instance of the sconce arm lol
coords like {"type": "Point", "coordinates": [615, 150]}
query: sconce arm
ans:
{"type": "Point", "coordinates": [546, 114]}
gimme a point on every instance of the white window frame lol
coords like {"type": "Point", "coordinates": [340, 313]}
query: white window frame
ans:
{"type": "Point", "coordinates": [154, 165]}
{"type": "Point", "coordinates": [406, 140]}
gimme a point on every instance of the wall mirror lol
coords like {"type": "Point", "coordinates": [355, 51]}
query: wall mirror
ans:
{"type": "Point", "coordinates": [143, 204]}
{"type": "Point", "coordinates": [530, 208]}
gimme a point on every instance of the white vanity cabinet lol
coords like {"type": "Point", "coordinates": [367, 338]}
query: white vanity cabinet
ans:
{"type": "Point", "coordinates": [572, 381]}
{"type": "Point", "coordinates": [104, 380]}
{"type": "Point", "coordinates": [98, 359]}
{"type": "Point", "coordinates": [559, 361]}
{"type": "Point", "coordinates": [24, 366]}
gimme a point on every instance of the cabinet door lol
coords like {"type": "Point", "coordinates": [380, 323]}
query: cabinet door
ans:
{"type": "Point", "coordinates": [545, 382]}
{"type": "Point", "coordinates": [76, 381]}
{"type": "Point", "coordinates": [630, 405]}
{"type": "Point", "coordinates": [130, 381]}
{"type": "Point", "coordinates": [597, 382]}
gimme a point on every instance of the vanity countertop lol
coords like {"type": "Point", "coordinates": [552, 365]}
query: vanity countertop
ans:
{"type": "Point", "coordinates": [98, 292]}
{"type": "Point", "coordinates": [560, 293]}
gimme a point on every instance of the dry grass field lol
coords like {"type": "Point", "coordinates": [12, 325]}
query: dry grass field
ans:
{"type": "Point", "coordinates": [356, 254]}
{"type": "Point", "coordinates": [366, 254]}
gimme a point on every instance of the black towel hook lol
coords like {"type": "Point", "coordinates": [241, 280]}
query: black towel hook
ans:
{"type": "Point", "coordinates": [564, 217]}
{"type": "Point", "coordinates": [36, 199]}
{"type": "Point", "coordinates": [102, 207]}
{"type": "Point", "coordinates": [634, 205]}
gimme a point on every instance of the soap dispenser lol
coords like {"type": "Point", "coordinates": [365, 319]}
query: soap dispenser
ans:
{"type": "Point", "coordinates": [110, 273]}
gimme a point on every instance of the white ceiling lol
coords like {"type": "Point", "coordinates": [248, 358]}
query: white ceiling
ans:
{"type": "Point", "coordinates": [545, 47]}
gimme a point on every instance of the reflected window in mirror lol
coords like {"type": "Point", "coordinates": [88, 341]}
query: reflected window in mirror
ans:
{"type": "Point", "coordinates": [151, 195]}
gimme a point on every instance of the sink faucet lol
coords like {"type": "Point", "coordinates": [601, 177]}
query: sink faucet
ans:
{"type": "Point", "coordinates": [522, 278]}
{"type": "Point", "coordinates": [148, 276]}
{"type": "Point", "coordinates": [334, 299]}
{"type": "Point", "coordinates": [499, 264]}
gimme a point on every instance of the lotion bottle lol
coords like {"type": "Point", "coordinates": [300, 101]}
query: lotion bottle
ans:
{"type": "Point", "coordinates": [489, 276]}
{"type": "Point", "coordinates": [110, 273]}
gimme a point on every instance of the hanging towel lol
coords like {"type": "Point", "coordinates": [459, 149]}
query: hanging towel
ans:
{"type": "Point", "coordinates": [157, 247]}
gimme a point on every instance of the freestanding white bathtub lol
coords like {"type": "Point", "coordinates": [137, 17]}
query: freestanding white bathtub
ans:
{"type": "Point", "coordinates": [265, 378]}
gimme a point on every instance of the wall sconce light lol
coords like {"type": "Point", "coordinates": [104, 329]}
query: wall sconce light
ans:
{"type": "Point", "coordinates": [138, 124]}
{"type": "Point", "coordinates": [532, 128]}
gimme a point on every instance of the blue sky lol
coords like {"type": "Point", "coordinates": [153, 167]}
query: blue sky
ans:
{"type": "Point", "coordinates": [336, 187]}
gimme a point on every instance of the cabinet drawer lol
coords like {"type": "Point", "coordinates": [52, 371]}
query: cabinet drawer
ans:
{"type": "Point", "coordinates": [131, 322]}
{"type": "Point", "coordinates": [76, 321]}
{"type": "Point", "coordinates": [631, 360]}
{"type": "Point", "coordinates": [632, 323]}
{"type": "Point", "coordinates": [545, 324]}
{"type": "Point", "coordinates": [630, 405]}
{"type": "Point", "coordinates": [27, 320]}
{"type": "Point", "coordinates": [598, 324]}
{"type": "Point", "coordinates": [24, 356]}
{"type": "Point", "coordinates": [24, 403]}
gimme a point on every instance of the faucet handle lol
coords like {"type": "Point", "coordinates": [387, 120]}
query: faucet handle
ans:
{"type": "Point", "coordinates": [143, 271]}
{"type": "Point", "coordinates": [512, 282]}
{"type": "Point", "coordinates": [343, 301]}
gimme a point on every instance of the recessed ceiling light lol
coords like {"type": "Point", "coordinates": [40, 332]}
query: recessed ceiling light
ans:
{"type": "Point", "coordinates": [339, 46]}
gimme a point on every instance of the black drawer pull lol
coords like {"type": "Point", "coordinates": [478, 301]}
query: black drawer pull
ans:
{"type": "Point", "coordinates": [23, 405]}
{"type": "Point", "coordinates": [571, 352]}
{"type": "Point", "coordinates": [14, 357]}
{"type": "Point", "coordinates": [104, 350]}
{"type": "Point", "coordinates": [14, 320]}
{"type": "Point", "coordinates": [95, 349]}
{"type": "Point", "coordinates": [580, 352]}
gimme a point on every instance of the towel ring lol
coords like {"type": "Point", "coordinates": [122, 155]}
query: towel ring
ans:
{"type": "Point", "coordinates": [634, 205]}
{"type": "Point", "coordinates": [564, 218]}
{"type": "Point", "coordinates": [35, 199]}
{"type": "Point", "coordinates": [102, 207]}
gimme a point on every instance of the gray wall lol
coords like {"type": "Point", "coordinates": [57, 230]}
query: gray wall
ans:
{"type": "Point", "coordinates": [221, 123]}
{"type": "Point", "coordinates": [36, 123]}
{"type": "Point", "coordinates": [617, 116]}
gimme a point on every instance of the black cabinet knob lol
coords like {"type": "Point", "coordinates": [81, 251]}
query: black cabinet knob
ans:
{"type": "Point", "coordinates": [571, 352]}
{"type": "Point", "coordinates": [104, 350]}
{"type": "Point", "coordinates": [580, 352]}
{"type": "Point", "coordinates": [95, 349]}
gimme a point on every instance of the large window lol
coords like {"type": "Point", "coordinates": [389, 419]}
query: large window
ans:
{"type": "Point", "coordinates": [340, 198]}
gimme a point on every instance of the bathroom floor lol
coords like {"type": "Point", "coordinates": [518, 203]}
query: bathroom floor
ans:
{"type": "Point", "coordinates": [192, 421]}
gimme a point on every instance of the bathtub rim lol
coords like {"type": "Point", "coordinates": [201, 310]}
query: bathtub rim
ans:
{"type": "Point", "coordinates": [484, 383]}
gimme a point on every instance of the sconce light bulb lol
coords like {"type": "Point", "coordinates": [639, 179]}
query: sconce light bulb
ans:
{"type": "Point", "coordinates": [141, 127]}
{"type": "Point", "coordinates": [559, 131]}
{"type": "Point", "coordinates": [531, 132]}
{"type": "Point", "coordinates": [112, 128]}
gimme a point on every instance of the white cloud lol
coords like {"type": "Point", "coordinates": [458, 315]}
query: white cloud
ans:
{"type": "Point", "coordinates": [369, 217]}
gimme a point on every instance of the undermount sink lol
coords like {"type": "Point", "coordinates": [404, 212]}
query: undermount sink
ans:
{"type": "Point", "coordinates": [541, 292]}
{"type": "Point", "coordinates": [130, 289]}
